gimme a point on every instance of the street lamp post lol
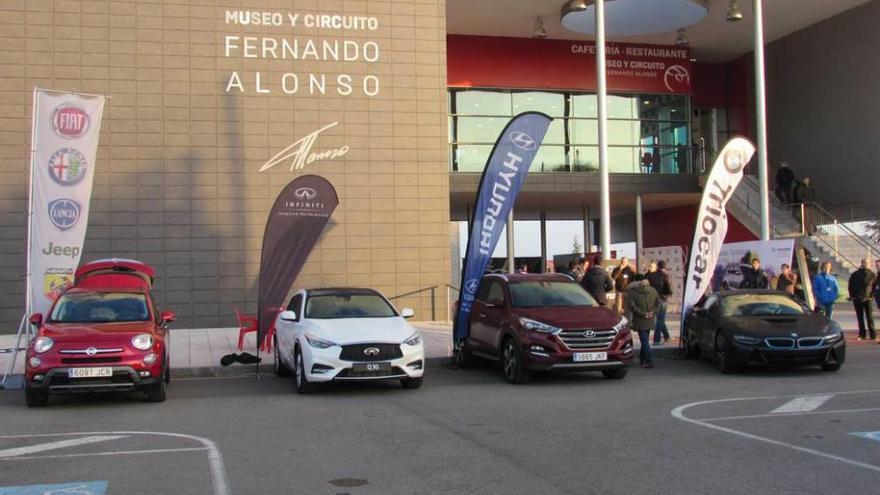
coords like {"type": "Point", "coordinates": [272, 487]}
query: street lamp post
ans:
{"type": "Point", "coordinates": [602, 107]}
{"type": "Point", "coordinates": [761, 117]}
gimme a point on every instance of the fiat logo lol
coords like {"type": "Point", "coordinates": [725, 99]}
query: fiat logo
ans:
{"type": "Point", "coordinates": [590, 333]}
{"type": "Point", "coordinates": [91, 351]}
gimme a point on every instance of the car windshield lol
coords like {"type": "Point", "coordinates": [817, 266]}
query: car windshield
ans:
{"type": "Point", "coordinates": [328, 306]}
{"type": "Point", "coordinates": [100, 307]}
{"type": "Point", "coordinates": [542, 294]}
{"type": "Point", "coordinates": [760, 305]}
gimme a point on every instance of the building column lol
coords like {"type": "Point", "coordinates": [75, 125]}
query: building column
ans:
{"type": "Point", "coordinates": [639, 233]}
{"type": "Point", "coordinates": [543, 242]}
{"type": "Point", "coordinates": [588, 239]}
{"type": "Point", "coordinates": [761, 117]}
{"type": "Point", "coordinates": [602, 106]}
{"type": "Point", "coordinates": [510, 258]}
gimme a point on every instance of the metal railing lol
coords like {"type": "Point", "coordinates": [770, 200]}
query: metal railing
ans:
{"type": "Point", "coordinates": [432, 289]}
{"type": "Point", "coordinates": [819, 222]}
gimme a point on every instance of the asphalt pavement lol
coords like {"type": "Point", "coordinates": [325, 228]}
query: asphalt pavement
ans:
{"type": "Point", "coordinates": [681, 427]}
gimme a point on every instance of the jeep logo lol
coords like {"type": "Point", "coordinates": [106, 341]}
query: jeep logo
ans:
{"type": "Point", "coordinates": [54, 250]}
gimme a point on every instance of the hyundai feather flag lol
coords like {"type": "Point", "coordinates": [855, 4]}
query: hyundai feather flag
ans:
{"type": "Point", "coordinates": [65, 143]}
{"type": "Point", "coordinates": [503, 176]}
{"type": "Point", "coordinates": [726, 174]}
{"type": "Point", "coordinates": [295, 223]}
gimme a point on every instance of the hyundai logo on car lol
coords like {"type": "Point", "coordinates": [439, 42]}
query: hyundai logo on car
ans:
{"type": "Point", "coordinates": [306, 193]}
{"type": "Point", "coordinates": [523, 141]}
{"type": "Point", "coordinates": [590, 333]}
{"type": "Point", "coordinates": [64, 213]}
{"type": "Point", "coordinates": [371, 351]}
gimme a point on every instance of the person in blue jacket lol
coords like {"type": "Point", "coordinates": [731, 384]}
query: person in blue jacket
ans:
{"type": "Point", "coordinates": [825, 289]}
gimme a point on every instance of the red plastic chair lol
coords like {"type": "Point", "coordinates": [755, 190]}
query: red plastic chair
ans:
{"type": "Point", "coordinates": [246, 324]}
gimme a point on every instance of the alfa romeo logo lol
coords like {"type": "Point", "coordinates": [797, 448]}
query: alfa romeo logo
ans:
{"type": "Point", "coordinates": [68, 166]}
{"type": "Point", "coordinates": [590, 333]}
{"type": "Point", "coordinates": [371, 351]}
{"type": "Point", "coordinates": [306, 193]}
{"type": "Point", "coordinates": [523, 141]}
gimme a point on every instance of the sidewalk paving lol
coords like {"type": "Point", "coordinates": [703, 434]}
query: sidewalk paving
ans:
{"type": "Point", "coordinates": [197, 352]}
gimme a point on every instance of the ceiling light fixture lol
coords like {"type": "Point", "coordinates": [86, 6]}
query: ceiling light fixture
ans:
{"type": "Point", "coordinates": [539, 32]}
{"type": "Point", "coordinates": [633, 17]}
{"type": "Point", "coordinates": [682, 39]}
{"type": "Point", "coordinates": [734, 13]}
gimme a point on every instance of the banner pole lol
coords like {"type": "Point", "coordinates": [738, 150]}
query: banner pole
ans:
{"type": "Point", "coordinates": [28, 305]}
{"type": "Point", "coordinates": [24, 325]}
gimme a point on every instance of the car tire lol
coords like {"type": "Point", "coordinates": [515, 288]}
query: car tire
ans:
{"type": "Point", "coordinates": [411, 383]}
{"type": "Point", "coordinates": [616, 374]}
{"type": "Point", "coordinates": [35, 398]}
{"type": "Point", "coordinates": [281, 369]}
{"type": "Point", "coordinates": [167, 370]}
{"type": "Point", "coordinates": [512, 362]}
{"type": "Point", "coordinates": [692, 346]}
{"type": "Point", "coordinates": [831, 366]}
{"type": "Point", "coordinates": [303, 387]}
{"type": "Point", "coordinates": [722, 358]}
{"type": "Point", "coordinates": [462, 357]}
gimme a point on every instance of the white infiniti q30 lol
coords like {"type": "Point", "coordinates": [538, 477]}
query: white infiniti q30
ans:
{"type": "Point", "coordinates": [346, 334]}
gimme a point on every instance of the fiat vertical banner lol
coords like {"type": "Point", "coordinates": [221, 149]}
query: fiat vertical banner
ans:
{"type": "Point", "coordinates": [65, 142]}
{"type": "Point", "coordinates": [503, 176]}
{"type": "Point", "coordinates": [726, 174]}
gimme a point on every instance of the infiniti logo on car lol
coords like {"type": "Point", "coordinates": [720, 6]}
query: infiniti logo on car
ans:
{"type": "Point", "coordinates": [590, 333]}
{"type": "Point", "coordinates": [371, 351]}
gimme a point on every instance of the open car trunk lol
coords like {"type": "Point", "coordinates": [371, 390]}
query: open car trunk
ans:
{"type": "Point", "coordinates": [115, 273]}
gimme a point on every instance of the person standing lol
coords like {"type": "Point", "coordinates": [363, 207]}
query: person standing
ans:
{"type": "Point", "coordinates": [784, 183]}
{"type": "Point", "coordinates": [580, 269]}
{"type": "Point", "coordinates": [597, 282]}
{"type": "Point", "coordinates": [787, 280]}
{"type": "Point", "coordinates": [572, 269]}
{"type": "Point", "coordinates": [876, 290]}
{"type": "Point", "coordinates": [825, 289]}
{"type": "Point", "coordinates": [754, 278]}
{"type": "Point", "coordinates": [641, 303]}
{"type": "Point", "coordinates": [621, 276]}
{"type": "Point", "coordinates": [860, 284]}
{"type": "Point", "coordinates": [659, 280]}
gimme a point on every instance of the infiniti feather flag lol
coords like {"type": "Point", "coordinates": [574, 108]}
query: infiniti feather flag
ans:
{"type": "Point", "coordinates": [726, 174]}
{"type": "Point", "coordinates": [295, 223]}
{"type": "Point", "coordinates": [503, 176]}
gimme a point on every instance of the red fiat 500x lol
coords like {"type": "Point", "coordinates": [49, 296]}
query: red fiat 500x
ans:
{"type": "Point", "coordinates": [101, 334]}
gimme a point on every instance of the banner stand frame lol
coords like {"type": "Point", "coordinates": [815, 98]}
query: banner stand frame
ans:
{"type": "Point", "coordinates": [24, 326]}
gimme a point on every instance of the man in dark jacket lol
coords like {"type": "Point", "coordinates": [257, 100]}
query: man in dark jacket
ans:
{"type": "Point", "coordinates": [787, 280]}
{"type": "Point", "coordinates": [641, 304]}
{"type": "Point", "coordinates": [754, 278]}
{"type": "Point", "coordinates": [860, 284]}
{"type": "Point", "coordinates": [597, 282]}
{"type": "Point", "coordinates": [659, 280]}
{"type": "Point", "coordinates": [621, 275]}
{"type": "Point", "coordinates": [784, 183]}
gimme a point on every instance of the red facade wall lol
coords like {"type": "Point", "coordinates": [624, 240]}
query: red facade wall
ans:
{"type": "Point", "coordinates": [675, 227]}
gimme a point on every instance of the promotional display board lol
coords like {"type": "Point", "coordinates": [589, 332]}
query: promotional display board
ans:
{"type": "Point", "coordinates": [295, 223]}
{"type": "Point", "coordinates": [65, 142]}
{"type": "Point", "coordinates": [673, 256]}
{"type": "Point", "coordinates": [732, 261]}
{"type": "Point", "coordinates": [726, 174]}
{"type": "Point", "coordinates": [502, 178]}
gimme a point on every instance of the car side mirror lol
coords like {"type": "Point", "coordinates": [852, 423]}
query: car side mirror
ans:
{"type": "Point", "coordinates": [496, 304]}
{"type": "Point", "coordinates": [407, 312]}
{"type": "Point", "coordinates": [36, 319]}
{"type": "Point", "coordinates": [167, 316]}
{"type": "Point", "coordinates": [288, 315]}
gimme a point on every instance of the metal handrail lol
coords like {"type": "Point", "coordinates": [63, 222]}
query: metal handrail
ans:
{"type": "Point", "coordinates": [419, 291]}
{"type": "Point", "coordinates": [872, 251]}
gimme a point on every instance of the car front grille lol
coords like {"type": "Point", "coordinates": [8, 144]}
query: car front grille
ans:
{"type": "Point", "coordinates": [91, 360]}
{"type": "Point", "coordinates": [790, 343]}
{"type": "Point", "coordinates": [587, 339]}
{"type": "Point", "coordinates": [350, 373]}
{"type": "Point", "coordinates": [119, 378]}
{"type": "Point", "coordinates": [356, 352]}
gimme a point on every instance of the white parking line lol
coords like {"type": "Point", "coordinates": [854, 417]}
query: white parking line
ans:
{"type": "Point", "coordinates": [62, 444]}
{"type": "Point", "coordinates": [98, 454]}
{"type": "Point", "coordinates": [678, 413]}
{"type": "Point", "coordinates": [785, 415]}
{"type": "Point", "coordinates": [802, 404]}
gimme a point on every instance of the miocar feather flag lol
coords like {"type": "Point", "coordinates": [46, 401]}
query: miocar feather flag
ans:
{"type": "Point", "coordinates": [725, 176]}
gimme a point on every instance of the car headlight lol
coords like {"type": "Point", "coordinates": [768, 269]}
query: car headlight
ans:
{"type": "Point", "coordinates": [834, 337]}
{"type": "Point", "coordinates": [621, 324]}
{"type": "Point", "coordinates": [746, 339]}
{"type": "Point", "coordinates": [537, 326]}
{"type": "Point", "coordinates": [142, 342]}
{"type": "Point", "coordinates": [414, 339]}
{"type": "Point", "coordinates": [318, 343]}
{"type": "Point", "coordinates": [42, 344]}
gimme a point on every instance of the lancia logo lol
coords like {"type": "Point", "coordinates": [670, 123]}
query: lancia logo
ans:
{"type": "Point", "coordinates": [590, 333]}
{"type": "Point", "coordinates": [91, 351]}
{"type": "Point", "coordinates": [371, 351]}
{"type": "Point", "coordinates": [523, 141]}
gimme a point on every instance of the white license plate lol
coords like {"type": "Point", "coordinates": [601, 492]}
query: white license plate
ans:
{"type": "Point", "coordinates": [586, 357]}
{"type": "Point", "coordinates": [89, 372]}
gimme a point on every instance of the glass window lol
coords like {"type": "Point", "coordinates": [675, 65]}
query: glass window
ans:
{"type": "Point", "coordinates": [548, 294]}
{"type": "Point", "coordinates": [476, 102]}
{"type": "Point", "coordinates": [623, 132]}
{"type": "Point", "coordinates": [584, 106]}
{"type": "Point", "coordinates": [663, 107]}
{"type": "Point", "coordinates": [586, 159]}
{"type": "Point", "coordinates": [553, 104]}
{"type": "Point", "coordinates": [480, 129]}
{"type": "Point", "coordinates": [584, 131]}
{"type": "Point", "coordinates": [100, 307]}
{"type": "Point", "coordinates": [760, 305]}
{"type": "Point", "coordinates": [550, 159]}
{"type": "Point", "coordinates": [348, 305]}
{"type": "Point", "coordinates": [623, 160]}
{"type": "Point", "coordinates": [496, 294]}
{"type": "Point", "coordinates": [622, 107]}
{"type": "Point", "coordinates": [472, 158]}
{"type": "Point", "coordinates": [295, 305]}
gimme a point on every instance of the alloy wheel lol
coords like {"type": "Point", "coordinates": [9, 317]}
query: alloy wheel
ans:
{"type": "Point", "coordinates": [299, 369]}
{"type": "Point", "coordinates": [510, 362]}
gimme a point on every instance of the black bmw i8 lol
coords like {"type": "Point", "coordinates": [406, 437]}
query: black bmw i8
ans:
{"type": "Point", "coordinates": [741, 327]}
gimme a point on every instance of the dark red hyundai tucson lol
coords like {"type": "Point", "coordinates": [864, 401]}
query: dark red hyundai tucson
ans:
{"type": "Point", "coordinates": [544, 322]}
